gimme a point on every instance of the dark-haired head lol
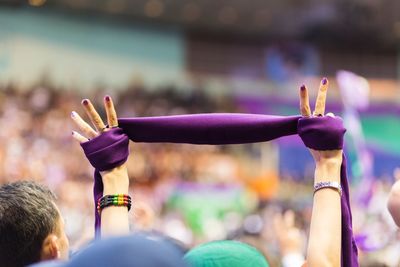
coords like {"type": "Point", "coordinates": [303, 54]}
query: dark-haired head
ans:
{"type": "Point", "coordinates": [31, 227]}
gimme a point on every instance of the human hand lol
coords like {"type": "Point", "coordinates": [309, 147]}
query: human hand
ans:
{"type": "Point", "coordinates": [331, 157]}
{"type": "Point", "coordinates": [115, 179]}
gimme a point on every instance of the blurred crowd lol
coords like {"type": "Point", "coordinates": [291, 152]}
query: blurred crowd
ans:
{"type": "Point", "coordinates": [192, 193]}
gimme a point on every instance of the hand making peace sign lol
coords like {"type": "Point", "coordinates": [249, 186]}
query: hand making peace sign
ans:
{"type": "Point", "coordinates": [319, 111]}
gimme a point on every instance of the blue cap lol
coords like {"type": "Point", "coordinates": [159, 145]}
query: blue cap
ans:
{"type": "Point", "coordinates": [138, 250]}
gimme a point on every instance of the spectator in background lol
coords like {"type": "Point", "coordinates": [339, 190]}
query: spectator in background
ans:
{"type": "Point", "coordinates": [138, 250]}
{"type": "Point", "coordinates": [31, 226]}
{"type": "Point", "coordinates": [225, 253]}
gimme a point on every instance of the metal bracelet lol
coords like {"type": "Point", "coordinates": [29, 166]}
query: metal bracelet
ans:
{"type": "Point", "coordinates": [333, 185]}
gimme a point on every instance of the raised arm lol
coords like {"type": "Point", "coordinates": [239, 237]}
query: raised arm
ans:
{"type": "Point", "coordinates": [114, 219]}
{"type": "Point", "coordinates": [324, 244]}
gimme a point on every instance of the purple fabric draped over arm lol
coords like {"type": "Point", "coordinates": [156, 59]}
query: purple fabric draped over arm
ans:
{"type": "Point", "coordinates": [110, 149]}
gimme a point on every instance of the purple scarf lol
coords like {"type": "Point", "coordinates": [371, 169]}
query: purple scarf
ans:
{"type": "Point", "coordinates": [110, 149]}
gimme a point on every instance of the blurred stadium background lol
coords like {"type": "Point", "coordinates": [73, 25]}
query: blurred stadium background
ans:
{"type": "Point", "coordinates": [163, 57]}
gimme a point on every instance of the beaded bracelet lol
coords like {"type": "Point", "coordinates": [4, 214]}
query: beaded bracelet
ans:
{"type": "Point", "coordinates": [114, 200]}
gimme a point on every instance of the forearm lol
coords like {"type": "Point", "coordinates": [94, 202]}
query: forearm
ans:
{"type": "Point", "coordinates": [325, 230]}
{"type": "Point", "coordinates": [114, 219]}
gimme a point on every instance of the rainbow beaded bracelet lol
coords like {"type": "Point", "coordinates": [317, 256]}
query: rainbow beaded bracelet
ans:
{"type": "Point", "coordinates": [114, 200]}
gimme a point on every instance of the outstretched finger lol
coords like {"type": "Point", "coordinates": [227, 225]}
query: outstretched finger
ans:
{"type": "Point", "coordinates": [80, 138]}
{"type": "Point", "coordinates": [304, 102]}
{"type": "Point", "coordinates": [110, 110]}
{"type": "Point", "coordinates": [321, 98]}
{"type": "Point", "coordinates": [83, 126]}
{"type": "Point", "coordinates": [93, 115]}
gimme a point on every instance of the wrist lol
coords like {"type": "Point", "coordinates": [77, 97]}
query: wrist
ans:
{"type": "Point", "coordinates": [120, 188]}
{"type": "Point", "coordinates": [327, 157]}
{"type": "Point", "coordinates": [327, 171]}
{"type": "Point", "coordinates": [332, 163]}
{"type": "Point", "coordinates": [116, 181]}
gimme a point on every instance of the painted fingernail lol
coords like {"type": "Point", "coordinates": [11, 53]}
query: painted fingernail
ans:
{"type": "Point", "coordinates": [85, 102]}
{"type": "Point", "coordinates": [303, 87]}
{"type": "Point", "coordinates": [324, 81]}
{"type": "Point", "coordinates": [73, 114]}
{"type": "Point", "coordinates": [107, 98]}
{"type": "Point", "coordinates": [72, 132]}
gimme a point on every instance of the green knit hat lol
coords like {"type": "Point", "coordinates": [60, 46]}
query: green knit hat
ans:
{"type": "Point", "coordinates": [225, 253]}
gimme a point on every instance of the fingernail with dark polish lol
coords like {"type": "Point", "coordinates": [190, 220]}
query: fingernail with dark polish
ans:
{"type": "Point", "coordinates": [85, 101]}
{"type": "Point", "coordinates": [303, 87]}
{"type": "Point", "coordinates": [324, 81]}
{"type": "Point", "coordinates": [107, 98]}
{"type": "Point", "coordinates": [72, 132]}
{"type": "Point", "coordinates": [72, 114]}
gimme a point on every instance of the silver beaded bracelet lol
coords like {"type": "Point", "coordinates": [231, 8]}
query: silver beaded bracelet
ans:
{"type": "Point", "coordinates": [334, 185]}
